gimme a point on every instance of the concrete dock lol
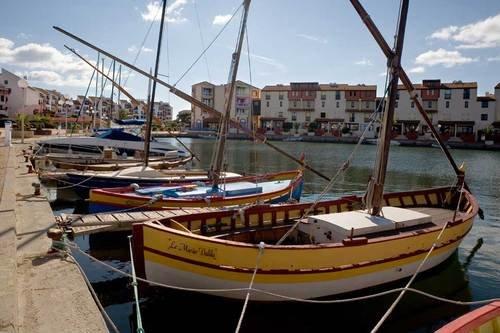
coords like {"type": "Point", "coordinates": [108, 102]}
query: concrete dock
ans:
{"type": "Point", "coordinates": [39, 292]}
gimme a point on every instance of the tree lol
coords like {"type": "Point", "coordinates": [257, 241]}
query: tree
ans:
{"type": "Point", "coordinates": [184, 118]}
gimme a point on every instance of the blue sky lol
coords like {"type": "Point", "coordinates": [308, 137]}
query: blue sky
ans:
{"type": "Point", "coordinates": [289, 40]}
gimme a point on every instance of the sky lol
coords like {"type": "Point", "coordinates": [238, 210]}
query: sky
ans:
{"type": "Point", "coordinates": [288, 41]}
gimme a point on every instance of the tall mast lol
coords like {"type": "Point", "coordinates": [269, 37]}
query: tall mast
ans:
{"type": "Point", "coordinates": [147, 136]}
{"type": "Point", "coordinates": [119, 84]}
{"type": "Point", "coordinates": [96, 89]}
{"type": "Point", "coordinates": [226, 116]}
{"type": "Point", "coordinates": [110, 115]}
{"type": "Point", "coordinates": [376, 186]}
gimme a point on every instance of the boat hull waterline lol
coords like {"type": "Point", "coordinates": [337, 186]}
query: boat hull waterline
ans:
{"type": "Point", "coordinates": [176, 257]}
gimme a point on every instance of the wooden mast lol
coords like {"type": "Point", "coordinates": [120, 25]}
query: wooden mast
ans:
{"type": "Point", "coordinates": [179, 93]}
{"type": "Point", "coordinates": [376, 186]}
{"type": "Point", "coordinates": [216, 168]}
{"type": "Point", "coordinates": [149, 121]}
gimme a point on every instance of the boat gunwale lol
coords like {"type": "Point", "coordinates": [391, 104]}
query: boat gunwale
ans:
{"type": "Point", "coordinates": [464, 217]}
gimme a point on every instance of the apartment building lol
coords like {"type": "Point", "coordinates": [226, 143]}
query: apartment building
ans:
{"type": "Point", "coordinates": [215, 96]}
{"type": "Point", "coordinates": [330, 107]}
{"type": "Point", "coordinates": [455, 109]}
{"type": "Point", "coordinates": [21, 98]}
{"type": "Point", "coordinates": [162, 111]}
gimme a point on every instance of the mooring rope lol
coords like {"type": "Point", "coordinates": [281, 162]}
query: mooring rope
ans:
{"type": "Point", "coordinates": [280, 296]}
{"type": "Point", "coordinates": [250, 287]}
{"type": "Point", "coordinates": [140, 329]}
{"type": "Point", "coordinates": [419, 268]}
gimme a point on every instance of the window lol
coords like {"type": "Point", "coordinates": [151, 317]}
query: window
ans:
{"type": "Point", "coordinates": [396, 104]}
{"type": "Point", "coordinates": [206, 92]}
{"type": "Point", "coordinates": [268, 97]}
{"type": "Point", "coordinates": [308, 118]}
{"type": "Point", "coordinates": [308, 104]}
{"type": "Point", "coordinates": [337, 104]}
{"type": "Point", "coordinates": [281, 104]}
{"type": "Point", "coordinates": [367, 105]}
{"type": "Point", "coordinates": [6, 82]}
{"type": "Point", "coordinates": [429, 104]}
{"type": "Point", "coordinates": [484, 104]}
{"type": "Point", "coordinates": [484, 116]}
{"type": "Point", "coordinates": [447, 94]}
{"type": "Point", "coordinates": [466, 104]}
{"type": "Point", "coordinates": [447, 104]}
{"type": "Point", "coordinates": [412, 105]}
{"type": "Point", "coordinates": [280, 97]}
{"type": "Point", "coordinates": [280, 114]}
{"type": "Point", "coordinates": [294, 116]}
{"type": "Point", "coordinates": [323, 97]}
{"type": "Point", "coordinates": [350, 93]}
{"type": "Point", "coordinates": [294, 104]}
{"type": "Point", "coordinates": [397, 95]}
{"type": "Point", "coordinates": [352, 104]}
{"type": "Point", "coordinates": [337, 95]}
{"type": "Point", "coordinates": [466, 93]}
{"type": "Point", "coordinates": [322, 104]}
{"type": "Point", "coordinates": [322, 115]}
{"type": "Point", "coordinates": [267, 103]}
{"type": "Point", "coordinates": [1, 98]}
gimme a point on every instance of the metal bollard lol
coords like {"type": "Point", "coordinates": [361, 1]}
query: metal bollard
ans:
{"type": "Point", "coordinates": [30, 168]}
{"type": "Point", "coordinates": [36, 186]}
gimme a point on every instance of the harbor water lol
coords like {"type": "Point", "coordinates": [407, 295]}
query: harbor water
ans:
{"type": "Point", "coordinates": [471, 274]}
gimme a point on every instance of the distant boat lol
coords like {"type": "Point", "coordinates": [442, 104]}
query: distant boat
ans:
{"type": "Point", "coordinates": [375, 142]}
{"type": "Point", "coordinates": [121, 141]}
{"type": "Point", "coordinates": [130, 122]}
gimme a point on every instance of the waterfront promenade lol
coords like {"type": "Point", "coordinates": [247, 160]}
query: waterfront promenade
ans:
{"type": "Point", "coordinates": [39, 292]}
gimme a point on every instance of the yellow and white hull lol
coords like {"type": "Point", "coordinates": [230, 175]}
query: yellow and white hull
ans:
{"type": "Point", "coordinates": [184, 259]}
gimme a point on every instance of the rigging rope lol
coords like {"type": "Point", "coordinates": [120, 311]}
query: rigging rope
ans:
{"type": "Point", "coordinates": [209, 45]}
{"type": "Point", "coordinates": [202, 39]}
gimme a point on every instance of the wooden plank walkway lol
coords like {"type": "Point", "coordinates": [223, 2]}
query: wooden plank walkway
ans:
{"type": "Point", "coordinates": [106, 222]}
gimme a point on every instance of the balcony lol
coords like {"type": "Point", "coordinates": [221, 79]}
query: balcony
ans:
{"type": "Point", "coordinates": [358, 110]}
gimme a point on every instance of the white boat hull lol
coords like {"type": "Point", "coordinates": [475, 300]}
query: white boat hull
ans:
{"type": "Point", "coordinates": [171, 276]}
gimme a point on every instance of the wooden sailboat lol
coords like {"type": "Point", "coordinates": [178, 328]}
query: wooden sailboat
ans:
{"type": "Point", "coordinates": [271, 188]}
{"type": "Point", "coordinates": [345, 245]}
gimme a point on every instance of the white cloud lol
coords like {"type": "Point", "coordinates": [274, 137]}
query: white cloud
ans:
{"type": "Point", "coordinates": [45, 64]}
{"type": "Point", "coordinates": [443, 57]}
{"type": "Point", "coordinates": [418, 69]}
{"type": "Point", "coordinates": [173, 12]}
{"type": "Point", "coordinates": [134, 49]}
{"type": "Point", "coordinates": [497, 58]}
{"type": "Point", "coordinates": [444, 33]}
{"type": "Point", "coordinates": [313, 38]}
{"type": "Point", "coordinates": [221, 19]}
{"type": "Point", "coordinates": [481, 34]}
{"type": "Point", "coordinates": [363, 62]}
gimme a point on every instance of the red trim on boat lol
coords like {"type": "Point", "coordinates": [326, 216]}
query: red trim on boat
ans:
{"type": "Point", "coordinates": [472, 320]}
